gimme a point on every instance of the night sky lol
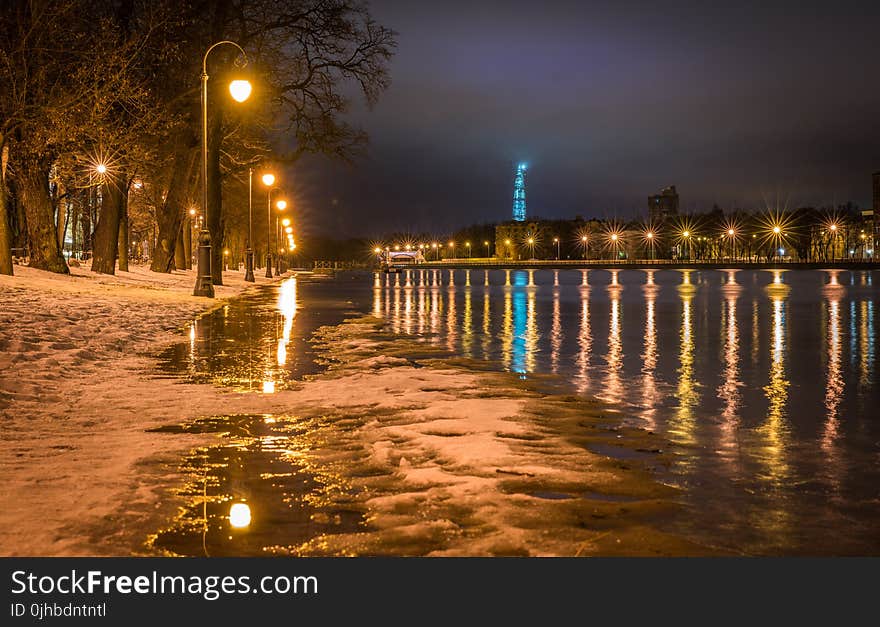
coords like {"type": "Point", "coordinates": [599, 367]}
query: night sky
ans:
{"type": "Point", "coordinates": [743, 106]}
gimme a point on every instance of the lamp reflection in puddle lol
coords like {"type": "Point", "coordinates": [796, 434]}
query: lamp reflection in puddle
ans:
{"type": "Point", "coordinates": [240, 515]}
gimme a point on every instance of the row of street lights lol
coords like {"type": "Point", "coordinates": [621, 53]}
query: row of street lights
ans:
{"type": "Point", "coordinates": [240, 90]}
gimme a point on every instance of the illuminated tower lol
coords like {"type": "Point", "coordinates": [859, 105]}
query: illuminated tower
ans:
{"type": "Point", "coordinates": [519, 194]}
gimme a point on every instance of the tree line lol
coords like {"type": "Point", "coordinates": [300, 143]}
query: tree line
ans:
{"type": "Point", "coordinates": [100, 117]}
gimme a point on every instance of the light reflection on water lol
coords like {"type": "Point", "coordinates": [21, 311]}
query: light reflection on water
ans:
{"type": "Point", "coordinates": [766, 379]}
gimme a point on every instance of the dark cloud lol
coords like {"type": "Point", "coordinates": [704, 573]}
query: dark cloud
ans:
{"type": "Point", "coordinates": [608, 102]}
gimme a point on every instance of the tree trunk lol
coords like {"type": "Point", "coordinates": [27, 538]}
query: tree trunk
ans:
{"type": "Point", "coordinates": [123, 235]}
{"type": "Point", "coordinates": [106, 245]}
{"type": "Point", "coordinates": [32, 176]}
{"type": "Point", "coordinates": [171, 213]}
{"type": "Point", "coordinates": [180, 251]}
{"type": "Point", "coordinates": [5, 230]}
{"type": "Point", "coordinates": [187, 241]}
{"type": "Point", "coordinates": [61, 222]}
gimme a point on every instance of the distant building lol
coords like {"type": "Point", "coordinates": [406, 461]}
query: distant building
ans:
{"type": "Point", "coordinates": [876, 209]}
{"type": "Point", "coordinates": [519, 194]}
{"type": "Point", "coordinates": [663, 205]}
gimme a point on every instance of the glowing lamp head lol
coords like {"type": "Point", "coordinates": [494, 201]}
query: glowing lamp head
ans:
{"type": "Point", "coordinates": [468, 244]}
{"type": "Point", "coordinates": [288, 230]}
{"type": "Point", "coordinates": [507, 241]}
{"type": "Point", "coordinates": [239, 515]}
{"type": "Point", "coordinates": [686, 234]}
{"type": "Point", "coordinates": [285, 222]}
{"type": "Point", "coordinates": [555, 240]}
{"type": "Point", "coordinates": [650, 235]}
{"type": "Point", "coordinates": [485, 243]}
{"type": "Point", "coordinates": [268, 179]}
{"type": "Point", "coordinates": [833, 227]}
{"type": "Point", "coordinates": [192, 212]}
{"type": "Point", "coordinates": [101, 168]}
{"type": "Point", "coordinates": [584, 238]}
{"type": "Point", "coordinates": [451, 244]}
{"type": "Point", "coordinates": [240, 90]}
{"type": "Point", "coordinates": [377, 250]}
{"type": "Point", "coordinates": [777, 230]}
{"type": "Point", "coordinates": [226, 252]}
{"type": "Point", "coordinates": [531, 240]}
{"type": "Point", "coordinates": [614, 237]}
{"type": "Point", "coordinates": [730, 232]}
{"type": "Point", "coordinates": [281, 205]}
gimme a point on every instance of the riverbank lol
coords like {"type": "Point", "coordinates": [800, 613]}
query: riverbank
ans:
{"type": "Point", "coordinates": [437, 456]}
{"type": "Point", "coordinates": [643, 264]}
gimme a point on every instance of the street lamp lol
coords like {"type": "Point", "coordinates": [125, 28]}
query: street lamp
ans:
{"type": "Point", "coordinates": [509, 253]}
{"type": "Point", "coordinates": [268, 180]}
{"type": "Point", "coordinates": [486, 244]}
{"type": "Point", "coordinates": [280, 205]}
{"type": "Point", "coordinates": [650, 237]}
{"type": "Point", "coordinates": [248, 250]}
{"type": "Point", "coordinates": [584, 241]}
{"type": "Point", "coordinates": [468, 246]}
{"type": "Point", "coordinates": [452, 247]}
{"type": "Point", "coordinates": [240, 90]}
{"type": "Point", "coordinates": [532, 247]}
{"type": "Point", "coordinates": [556, 241]}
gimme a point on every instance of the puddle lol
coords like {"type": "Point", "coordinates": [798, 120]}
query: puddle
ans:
{"type": "Point", "coordinates": [261, 464]}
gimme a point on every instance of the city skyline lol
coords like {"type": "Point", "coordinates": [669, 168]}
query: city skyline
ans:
{"type": "Point", "coordinates": [607, 106]}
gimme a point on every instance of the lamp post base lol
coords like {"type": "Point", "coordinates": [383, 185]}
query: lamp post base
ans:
{"type": "Point", "coordinates": [249, 266]}
{"type": "Point", "coordinates": [268, 266]}
{"type": "Point", "coordinates": [204, 282]}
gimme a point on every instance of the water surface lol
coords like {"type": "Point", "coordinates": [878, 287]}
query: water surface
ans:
{"type": "Point", "coordinates": [766, 380]}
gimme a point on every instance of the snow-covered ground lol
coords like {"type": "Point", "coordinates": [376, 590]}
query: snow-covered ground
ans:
{"type": "Point", "coordinates": [76, 396]}
{"type": "Point", "coordinates": [444, 459]}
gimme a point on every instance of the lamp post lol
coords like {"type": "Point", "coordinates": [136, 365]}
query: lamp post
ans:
{"type": "Point", "coordinates": [240, 90]}
{"type": "Point", "coordinates": [268, 180]}
{"type": "Point", "coordinates": [280, 205]}
{"type": "Point", "coordinates": [249, 252]}
{"type": "Point", "coordinates": [189, 234]}
{"type": "Point", "coordinates": [468, 246]}
{"type": "Point", "coordinates": [585, 241]}
{"type": "Point", "coordinates": [650, 236]}
{"type": "Point", "coordinates": [556, 241]}
{"type": "Point", "coordinates": [486, 244]}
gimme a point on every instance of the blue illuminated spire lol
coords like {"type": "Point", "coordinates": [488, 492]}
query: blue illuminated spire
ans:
{"type": "Point", "coordinates": [519, 194]}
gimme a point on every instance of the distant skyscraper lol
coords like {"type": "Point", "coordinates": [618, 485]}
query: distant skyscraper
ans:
{"type": "Point", "coordinates": [519, 194]}
{"type": "Point", "coordinates": [663, 205]}
{"type": "Point", "coordinates": [876, 211]}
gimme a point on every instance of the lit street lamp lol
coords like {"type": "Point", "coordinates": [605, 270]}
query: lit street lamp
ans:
{"type": "Point", "coordinates": [240, 90]}
{"type": "Point", "coordinates": [486, 244]}
{"type": "Point", "coordinates": [584, 241]}
{"type": "Point", "coordinates": [280, 205]}
{"type": "Point", "coordinates": [556, 241]}
{"type": "Point", "coordinates": [268, 180]}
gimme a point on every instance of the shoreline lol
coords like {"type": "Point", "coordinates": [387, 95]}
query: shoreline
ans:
{"type": "Point", "coordinates": [636, 264]}
{"type": "Point", "coordinates": [449, 459]}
